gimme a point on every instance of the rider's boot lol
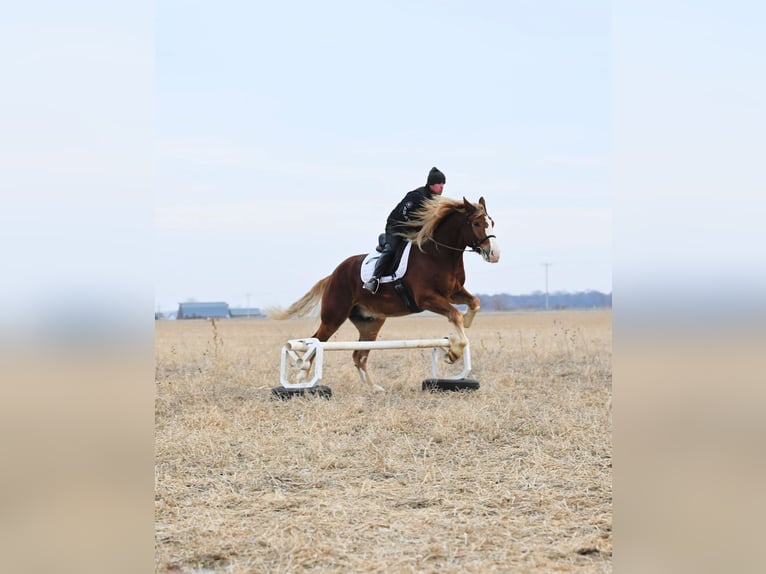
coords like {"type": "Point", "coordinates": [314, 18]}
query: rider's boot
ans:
{"type": "Point", "coordinates": [372, 284]}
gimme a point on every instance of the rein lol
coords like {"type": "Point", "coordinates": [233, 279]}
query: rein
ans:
{"type": "Point", "coordinates": [475, 246]}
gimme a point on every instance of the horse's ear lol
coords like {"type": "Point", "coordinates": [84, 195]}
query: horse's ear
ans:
{"type": "Point", "coordinates": [468, 205]}
{"type": "Point", "coordinates": [481, 201]}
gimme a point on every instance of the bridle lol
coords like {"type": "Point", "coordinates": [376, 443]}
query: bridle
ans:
{"type": "Point", "coordinates": [475, 246]}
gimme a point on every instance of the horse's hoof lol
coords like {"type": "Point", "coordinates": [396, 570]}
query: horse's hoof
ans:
{"type": "Point", "coordinates": [378, 389]}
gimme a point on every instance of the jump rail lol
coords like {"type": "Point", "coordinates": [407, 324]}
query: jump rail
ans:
{"type": "Point", "coordinates": [303, 353]}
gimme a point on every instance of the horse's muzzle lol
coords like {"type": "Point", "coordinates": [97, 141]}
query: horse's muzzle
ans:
{"type": "Point", "coordinates": [492, 253]}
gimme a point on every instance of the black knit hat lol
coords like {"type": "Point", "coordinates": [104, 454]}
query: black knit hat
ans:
{"type": "Point", "coordinates": [435, 176]}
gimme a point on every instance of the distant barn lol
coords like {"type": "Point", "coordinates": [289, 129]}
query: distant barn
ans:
{"type": "Point", "coordinates": [203, 311]}
{"type": "Point", "coordinates": [244, 312]}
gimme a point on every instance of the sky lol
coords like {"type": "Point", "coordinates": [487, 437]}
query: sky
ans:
{"type": "Point", "coordinates": [287, 131]}
{"type": "Point", "coordinates": [154, 152]}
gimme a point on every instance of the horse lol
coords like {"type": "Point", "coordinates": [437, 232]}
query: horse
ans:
{"type": "Point", "coordinates": [440, 232]}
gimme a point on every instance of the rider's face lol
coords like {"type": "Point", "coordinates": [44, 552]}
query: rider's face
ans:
{"type": "Point", "coordinates": [437, 188]}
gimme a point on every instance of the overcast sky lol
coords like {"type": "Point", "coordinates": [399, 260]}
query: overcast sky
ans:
{"type": "Point", "coordinates": [160, 151]}
{"type": "Point", "coordinates": [287, 131]}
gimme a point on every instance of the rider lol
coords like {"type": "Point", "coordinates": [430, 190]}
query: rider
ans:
{"type": "Point", "coordinates": [401, 213]}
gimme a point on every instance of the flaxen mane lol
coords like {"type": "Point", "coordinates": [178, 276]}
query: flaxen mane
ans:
{"type": "Point", "coordinates": [429, 216]}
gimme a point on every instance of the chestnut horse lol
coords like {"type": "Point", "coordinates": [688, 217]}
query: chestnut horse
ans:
{"type": "Point", "coordinates": [441, 230]}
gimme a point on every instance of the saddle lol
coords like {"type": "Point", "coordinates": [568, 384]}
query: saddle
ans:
{"type": "Point", "coordinates": [399, 265]}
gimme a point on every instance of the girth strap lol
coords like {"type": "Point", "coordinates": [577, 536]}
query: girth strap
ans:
{"type": "Point", "coordinates": [404, 294]}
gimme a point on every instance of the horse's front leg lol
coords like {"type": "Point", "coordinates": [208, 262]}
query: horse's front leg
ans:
{"type": "Point", "coordinates": [458, 341]}
{"type": "Point", "coordinates": [463, 297]}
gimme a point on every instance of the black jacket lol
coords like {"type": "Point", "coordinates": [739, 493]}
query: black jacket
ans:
{"type": "Point", "coordinates": [411, 202]}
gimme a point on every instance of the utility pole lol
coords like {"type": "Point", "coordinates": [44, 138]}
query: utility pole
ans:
{"type": "Point", "coordinates": [546, 283]}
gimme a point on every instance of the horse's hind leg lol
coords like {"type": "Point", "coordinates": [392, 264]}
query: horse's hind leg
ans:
{"type": "Point", "coordinates": [368, 326]}
{"type": "Point", "coordinates": [332, 317]}
{"type": "Point", "coordinates": [334, 313]}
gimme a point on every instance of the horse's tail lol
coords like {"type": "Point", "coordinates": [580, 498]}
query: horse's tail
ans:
{"type": "Point", "coordinates": [304, 305]}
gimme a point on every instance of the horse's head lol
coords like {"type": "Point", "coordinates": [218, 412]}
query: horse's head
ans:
{"type": "Point", "coordinates": [481, 237]}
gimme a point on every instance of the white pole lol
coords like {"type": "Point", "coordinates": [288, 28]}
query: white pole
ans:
{"type": "Point", "coordinates": [305, 344]}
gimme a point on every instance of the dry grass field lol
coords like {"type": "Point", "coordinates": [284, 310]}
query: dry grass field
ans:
{"type": "Point", "coordinates": [514, 477]}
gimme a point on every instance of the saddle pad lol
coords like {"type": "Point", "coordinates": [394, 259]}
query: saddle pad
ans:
{"type": "Point", "coordinates": [368, 266]}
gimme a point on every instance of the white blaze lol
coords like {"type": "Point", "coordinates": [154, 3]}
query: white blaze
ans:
{"type": "Point", "coordinates": [494, 246]}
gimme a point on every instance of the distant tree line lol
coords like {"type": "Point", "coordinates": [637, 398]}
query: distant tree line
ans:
{"type": "Point", "coordinates": [536, 300]}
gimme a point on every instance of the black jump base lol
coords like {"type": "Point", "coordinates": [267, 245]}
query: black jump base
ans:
{"type": "Point", "coordinates": [435, 385]}
{"type": "Point", "coordinates": [286, 394]}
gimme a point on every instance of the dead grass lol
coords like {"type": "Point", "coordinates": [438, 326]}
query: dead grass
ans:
{"type": "Point", "coordinates": [515, 477]}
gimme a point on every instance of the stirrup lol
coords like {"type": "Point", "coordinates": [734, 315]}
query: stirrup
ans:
{"type": "Point", "coordinates": [372, 285]}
